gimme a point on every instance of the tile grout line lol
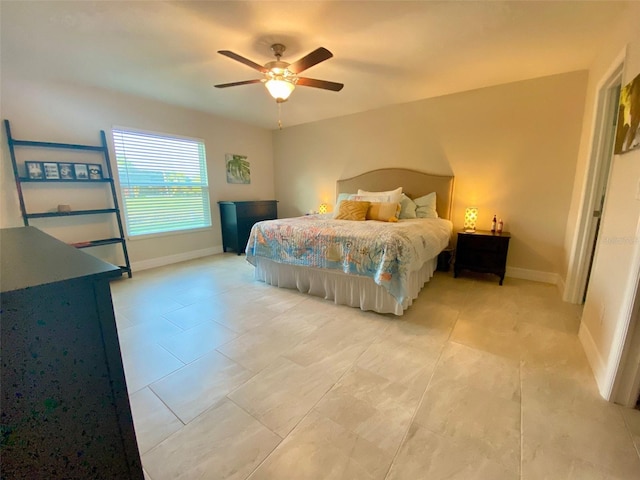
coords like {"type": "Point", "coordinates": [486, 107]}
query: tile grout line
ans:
{"type": "Point", "coordinates": [158, 379]}
{"type": "Point", "coordinates": [629, 432]}
{"type": "Point", "coordinates": [292, 429]}
{"type": "Point", "coordinates": [521, 421]}
{"type": "Point", "coordinates": [275, 447]}
{"type": "Point", "coordinates": [168, 408]}
{"type": "Point", "coordinates": [415, 411]}
{"type": "Point", "coordinates": [210, 407]}
{"type": "Point", "coordinates": [348, 369]}
{"type": "Point", "coordinates": [257, 420]}
{"type": "Point", "coordinates": [520, 365]}
{"type": "Point", "coordinates": [446, 342]}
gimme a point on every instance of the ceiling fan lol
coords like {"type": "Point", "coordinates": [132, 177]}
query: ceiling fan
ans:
{"type": "Point", "coordinates": [280, 77]}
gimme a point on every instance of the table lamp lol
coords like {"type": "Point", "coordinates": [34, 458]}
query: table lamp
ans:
{"type": "Point", "coordinates": [470, 218]}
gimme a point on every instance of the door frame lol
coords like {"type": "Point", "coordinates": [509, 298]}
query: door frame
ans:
{"type": "Point", "coordinates": [584, 239]}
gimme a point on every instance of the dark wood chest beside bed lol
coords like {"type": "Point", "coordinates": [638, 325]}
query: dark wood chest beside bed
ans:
{"type": "Point", "coordinates": [65, 404]}
{"type": "Point", "coordinates": [482, 251]}
{"type": "Point", "coordinates": [237, 218]}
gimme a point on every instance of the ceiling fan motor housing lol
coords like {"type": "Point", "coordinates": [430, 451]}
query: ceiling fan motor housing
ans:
{"type": "Point", "coordinates": [278, 49]}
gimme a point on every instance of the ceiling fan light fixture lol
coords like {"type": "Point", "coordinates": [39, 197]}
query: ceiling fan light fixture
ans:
{"type": "Point", "coordinates": [280, 77]}
{"type": "Point", "coordinates": [280, 88]}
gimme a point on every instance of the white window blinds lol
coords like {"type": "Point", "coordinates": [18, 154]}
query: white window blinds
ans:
{"type": "Point", "coordinates": [163, 181]}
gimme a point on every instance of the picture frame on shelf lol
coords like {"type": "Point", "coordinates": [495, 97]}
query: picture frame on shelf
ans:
{"type": "Point", "coordinates": [81, 171]}
{"type": "Point", "coordinates": [66, 171]}
{"type": "Point", "coordinates": [51, 171]}
{"type": "Point", "coordinates": [95, 171]}
{"type": "Point", "coordinates": [34, 170]}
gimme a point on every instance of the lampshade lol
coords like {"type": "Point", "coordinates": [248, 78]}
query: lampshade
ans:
{"type": "Point", "coordinates": [279, 88]}
{"type": "Point", "coordinates": [322, 208]}
{"type": "Point", "coordinates": [470, 218]}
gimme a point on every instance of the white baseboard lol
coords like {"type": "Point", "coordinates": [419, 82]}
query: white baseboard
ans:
{"type": "Point", "coordinates": [177, 258]}
{"type": "Point", "coordinates": [535, 275]}
{"type": "Point", "coordinates": [561, 286]}
{"type": "Point", "coordinates": [598, 367]}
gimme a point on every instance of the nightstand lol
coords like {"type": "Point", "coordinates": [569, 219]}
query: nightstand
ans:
{"type": "Point", "coordinates": [482, 251]}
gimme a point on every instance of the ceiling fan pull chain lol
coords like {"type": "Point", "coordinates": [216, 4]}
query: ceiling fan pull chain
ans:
{"type": "Point", "coordinates": [280, 115]}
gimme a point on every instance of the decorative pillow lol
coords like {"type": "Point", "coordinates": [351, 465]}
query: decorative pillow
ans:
{"type": "Point", "coordinates": [352, 210]}
{"type": "Point", "coordinates": [393, 194]}
{"type": "Point", "coordinates": [382, 211]}
{"type": "Point", "coordinates": [407, 207]}
{"type": "Point", "coordinates": [426, 206]}
{"type": "Point", "coordinates": [377, 199]}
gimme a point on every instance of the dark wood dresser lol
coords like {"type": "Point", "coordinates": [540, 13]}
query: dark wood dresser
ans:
{"type": "Point", "coordinates": [65, 406]}
{"type": "Point", "coordinates": [237, 218]}
{"type": "Point", "coordinates": [482, 251]}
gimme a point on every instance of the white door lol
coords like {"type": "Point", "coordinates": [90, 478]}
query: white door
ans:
{"type": "Point", "coordinates": [610, 121]}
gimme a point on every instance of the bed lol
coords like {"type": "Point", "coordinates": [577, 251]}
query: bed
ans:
{"type": "Point", "coordinates": [372, 265]}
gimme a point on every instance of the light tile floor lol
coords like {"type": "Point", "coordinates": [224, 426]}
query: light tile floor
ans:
{"type": "Point", "coordinates": [233, 379]}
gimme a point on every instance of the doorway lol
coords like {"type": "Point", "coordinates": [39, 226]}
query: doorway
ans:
{"type": "Point", "coordinates": [597, 176]}
{"type": "Point", "coordinates": [610, 122]}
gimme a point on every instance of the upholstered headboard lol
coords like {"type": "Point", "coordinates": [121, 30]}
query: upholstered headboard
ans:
{"type": "Point", "coordinates": [414, 184]}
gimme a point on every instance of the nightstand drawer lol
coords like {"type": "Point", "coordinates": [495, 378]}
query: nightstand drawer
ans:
{"type": "Point", "coordinates": [484, 243]}
{"type": "Point", "coordinates": [482, 251]}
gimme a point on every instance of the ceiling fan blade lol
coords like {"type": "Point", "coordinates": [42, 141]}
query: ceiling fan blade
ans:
{"type": "Point", "coordinates": [235, 84]}
{"type": "Point", "coordinates": [241, 59]}
{"type": "Point", "coordinates": [312, 82]}
{"type": "Point", "coordinates": [318, 55]}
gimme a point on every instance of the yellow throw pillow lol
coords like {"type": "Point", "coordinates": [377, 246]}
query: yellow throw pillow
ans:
{"type": "Point", "coordinates": [382, 211]}
{"type": "Point", "coordinates": [352, 210]}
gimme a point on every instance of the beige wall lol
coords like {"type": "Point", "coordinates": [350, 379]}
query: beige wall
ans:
{"type": "Point", "coordinates": [614, 274]}
{"type": "Point", "coordinates": [610, 53]}
{"type": "Point", "coordinates": [613, 279]}
{"type": "Point", "coordinates": [75, 114]}
{"type": "Point", "coordinates": [512, 149]}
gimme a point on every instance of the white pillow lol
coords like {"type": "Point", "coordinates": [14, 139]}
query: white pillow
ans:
{"type": "Point", "coordinates": [407, 207]}
{"type": "Point", "coordinates": [341, 197]}
{"type": "Point", "coordinates": [426, 206]}
{"type": "Point", "coordinates": [371, 198]}
{"type": "Point", "coordinates": [393, 194]}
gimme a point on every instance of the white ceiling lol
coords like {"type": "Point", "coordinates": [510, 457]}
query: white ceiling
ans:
{"type": "Point", "coordinates": [385, 52]}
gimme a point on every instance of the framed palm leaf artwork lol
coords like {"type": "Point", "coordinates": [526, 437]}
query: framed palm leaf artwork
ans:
{"type": "Point", "coordinates": [238, 169]}
{"type": "Point", "coordinates": [628, 130]}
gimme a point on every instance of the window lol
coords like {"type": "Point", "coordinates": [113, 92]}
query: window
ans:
{"type": "Point", "coordinates": [163, 181]}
